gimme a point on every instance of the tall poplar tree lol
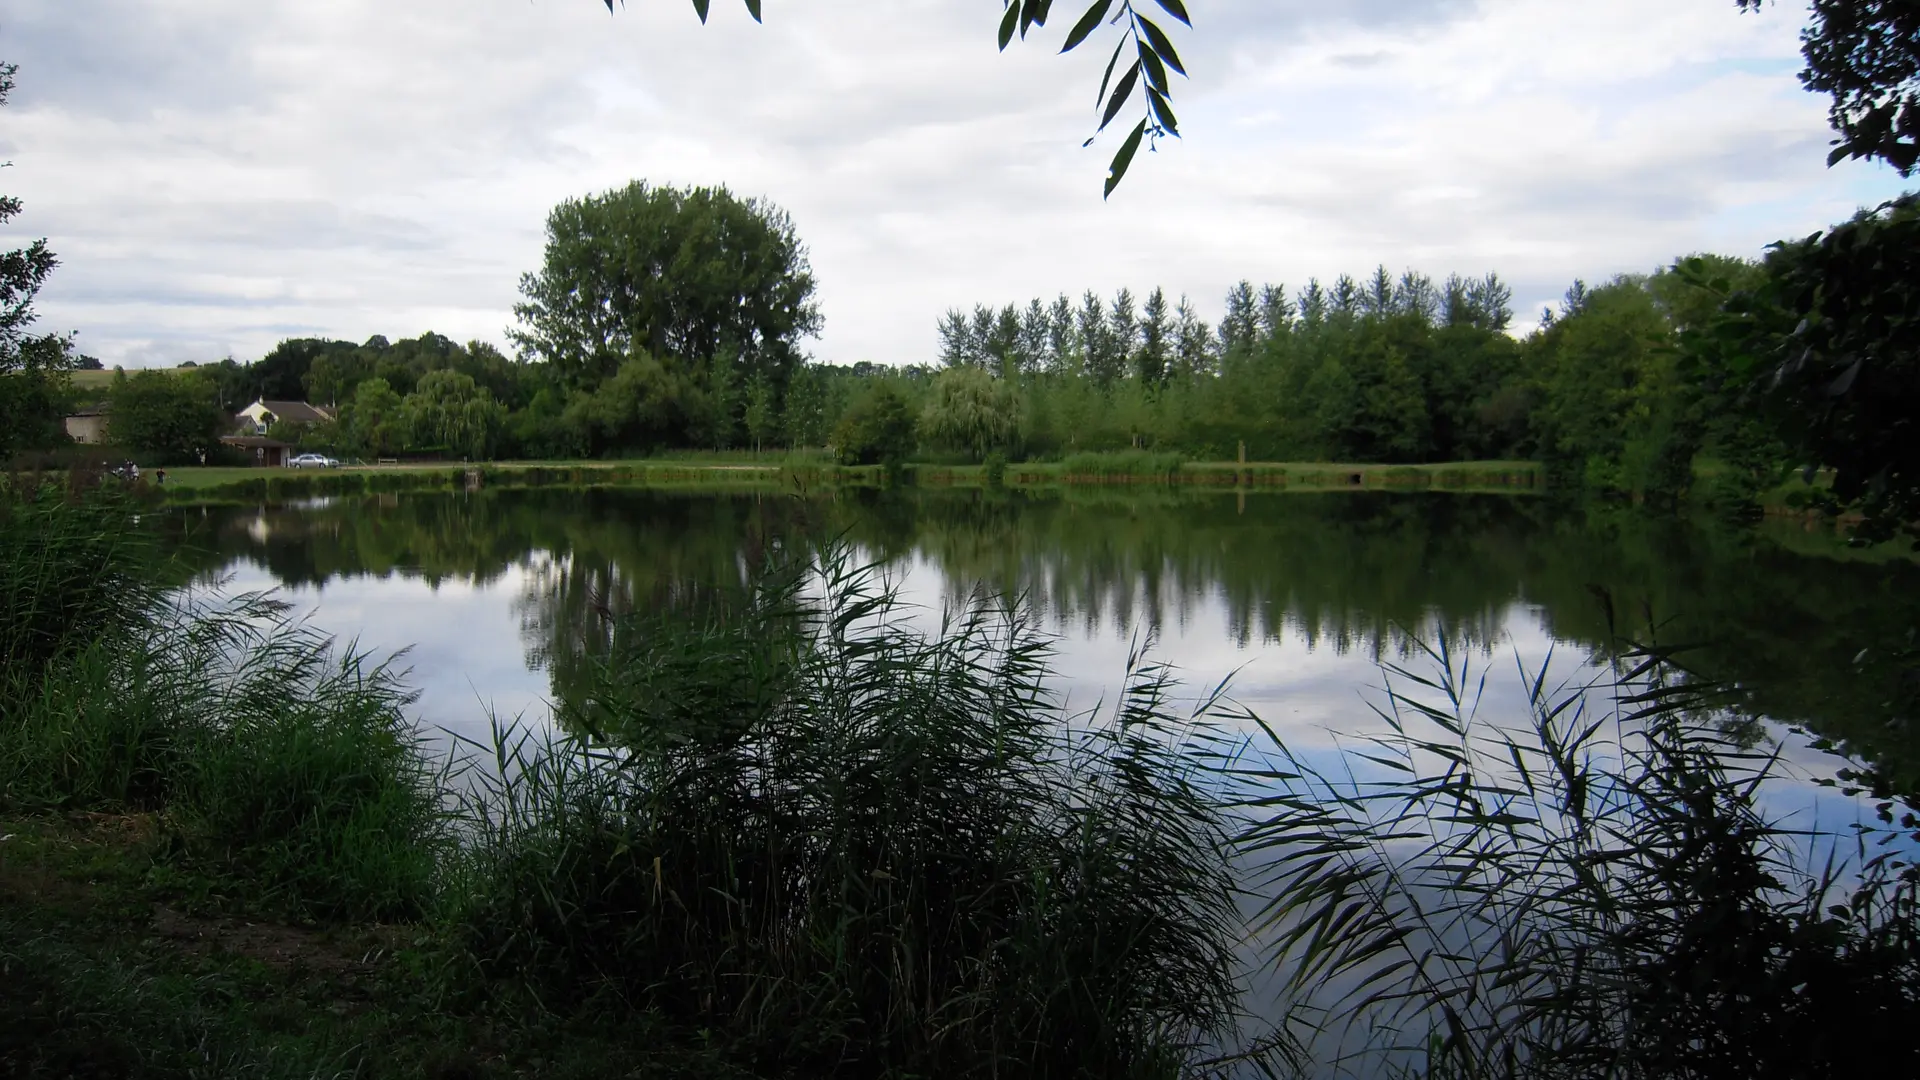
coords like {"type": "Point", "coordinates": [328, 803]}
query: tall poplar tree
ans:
{"type": "Point", "coordinates": [1156, 340]}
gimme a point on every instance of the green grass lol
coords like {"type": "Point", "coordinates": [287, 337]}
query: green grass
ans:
{"type": "Point", "coordinates": [113, 966]}
{"type": "Point", "coordinates": [781, 472]}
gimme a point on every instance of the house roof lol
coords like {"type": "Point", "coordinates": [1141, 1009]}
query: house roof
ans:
{"type": "Point", "coordinates": [101, 409]}
{"type": "Point", "coordinates": [255, 442]}
{"type": "Point", "coordinates": [295, 412]}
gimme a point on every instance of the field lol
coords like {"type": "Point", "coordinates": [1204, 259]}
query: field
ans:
{"type": "Point", "coordinates": [100, 380]}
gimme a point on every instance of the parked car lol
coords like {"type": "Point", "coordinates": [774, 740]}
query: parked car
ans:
{"type": "Point", "coordinates": [312, 461]}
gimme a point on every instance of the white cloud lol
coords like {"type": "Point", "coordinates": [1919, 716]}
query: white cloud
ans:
{"type": "Point", "coordinates": [217, 174]}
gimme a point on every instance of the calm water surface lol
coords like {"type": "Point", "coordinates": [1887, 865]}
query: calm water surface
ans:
{"type": "Point", "coordinates": [1296, 597]}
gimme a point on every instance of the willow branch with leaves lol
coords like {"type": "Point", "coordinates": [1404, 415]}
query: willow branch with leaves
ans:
{"type": "Point", "coordinates": [1147, 78]}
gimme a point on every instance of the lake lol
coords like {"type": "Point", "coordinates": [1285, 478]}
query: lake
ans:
{"type": "Point", "coordinates": [1296, 598]}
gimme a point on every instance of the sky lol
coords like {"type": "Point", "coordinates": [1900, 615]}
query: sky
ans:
{"type": "Point", "coordinates": [217, 175]}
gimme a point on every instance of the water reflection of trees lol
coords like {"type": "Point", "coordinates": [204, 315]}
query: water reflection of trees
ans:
{"type": "Point", "coordinates": [1338, 572]}
{"type": "Point", "coordinates": [1348, 571]}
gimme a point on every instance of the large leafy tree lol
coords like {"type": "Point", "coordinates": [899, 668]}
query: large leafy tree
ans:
{"type": "Point", "coordinates": [681, 275]}
{"type": "Point", "coordinates": [1865, 55]}
{"type": "Point", "coordinates": [375, 420]}
{"type": "Point", "coordinates": [170, 419]}
{"type": "Point", "coordinates": [1827, 347]}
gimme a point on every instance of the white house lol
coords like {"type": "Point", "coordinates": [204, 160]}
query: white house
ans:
{"type": "Point", "coordinates": [262, 415]}
{"type": "Point", "coordinates": [89, 425]}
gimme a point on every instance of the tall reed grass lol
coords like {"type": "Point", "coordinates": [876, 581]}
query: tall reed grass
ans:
{"type": "Point", "coordinates": [1591, 890]}
{"type": "Point", "coordinates": [277, 757]}
{"type": "Point", "coordinates": [71, 568]}
{"type": "Point", "coordinates": [867, 849]}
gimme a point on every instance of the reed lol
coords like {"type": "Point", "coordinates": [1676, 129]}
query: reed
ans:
{"type": "Point", "coordinates": [860, 847]}
{"type": "Point", "coordinates": [1589, 890]}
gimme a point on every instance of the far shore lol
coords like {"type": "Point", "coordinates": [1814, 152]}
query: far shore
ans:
{"type": "Point", "coordinates": [193, 483]}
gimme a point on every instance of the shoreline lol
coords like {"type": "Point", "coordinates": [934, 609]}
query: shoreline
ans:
{"type": "Point", "coordinates": [194, 485]}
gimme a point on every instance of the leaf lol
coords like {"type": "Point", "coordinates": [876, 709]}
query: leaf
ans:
{"type": "Point", "coordinates": [1086, 24]}
{"type": "Point", "coordinates": [1163, 112]}
{"type": "Point", "coordinates": [1118, 170]}
{"type": "Point", "coordinates": [1042, 10]}
{"type": "Point", "coordinates": [1844, 383]}
{"type": "Point", "coordinates": [1120, 95]}
{"type": "Point", "coordinates": [1161, 45]}
{"type": "Point", "coordinates": [1176, 9]}
{"type": "Point", "coordinates": [1156, 71]}
{"type": "Point", "coordinates": [1107, 78]}
{"type": "Point", "coordinates": [1009, 22]}
{"type": "Point", "coordinates": [700, 8]}
{"type": "Point", "coordinates": [753, 9]}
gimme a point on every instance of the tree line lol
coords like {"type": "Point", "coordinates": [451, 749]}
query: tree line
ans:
{"type": "Point", "coordinates": [670, 319]}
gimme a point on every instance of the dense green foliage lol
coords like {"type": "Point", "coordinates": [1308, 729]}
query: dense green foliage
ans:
{"type": "Point", "coordinates": [878, 429]}
{"type": "Point", "coordinates": [168, 420]}
{"type": "Point", "coordinates": [667, 319]}
{"type": "Point", "coordinates": [32, 367]}
{"type": "Point", "coordinates": [70, 572]}
{"type": "Point", "coordinates": [271, 754]}
{"type": "Point", "coordinates": [1398, 369]}
{"type": "Point", "coordinates": [683, 276]}
{"type": "Point", "coordinates": [1865, 55]}
{"type": "Point", "coordinates": [1823, 352]}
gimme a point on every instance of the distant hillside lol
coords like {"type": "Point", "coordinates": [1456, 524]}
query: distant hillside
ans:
{"type": "Point", "coordinates": [100, 380]}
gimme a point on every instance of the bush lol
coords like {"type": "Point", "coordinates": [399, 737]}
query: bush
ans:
{"type": "Point", "coordinates": [878, 429]}
{"type": "Point", "coordinates": [1124, 464]}
{"type": "Point", "coordinates": [863, 848]}
{"type": "Point", "coordinates": [995, 469]}
{"type": "Point", "coordinates": [280, 762]}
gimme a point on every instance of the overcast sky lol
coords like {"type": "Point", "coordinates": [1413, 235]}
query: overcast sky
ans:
{"type": "Point", "coordinates": [219, 174]}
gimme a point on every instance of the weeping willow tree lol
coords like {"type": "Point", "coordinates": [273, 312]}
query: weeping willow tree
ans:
{"type": "Point", "coordinates": [448, 409]}
{"type": "Point", "coordinates": [971, 412]}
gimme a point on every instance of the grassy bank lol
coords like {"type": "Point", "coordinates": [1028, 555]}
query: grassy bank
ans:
{"type": "Point", "coordinates": [744, 471]}
{"type": "Point", "coordinates": [777, 831]}
{"type": "Point", "coordinates": [781, 836]}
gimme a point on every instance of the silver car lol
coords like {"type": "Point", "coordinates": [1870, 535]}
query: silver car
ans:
{"type": "Point", "coordinates": [312, 461]}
